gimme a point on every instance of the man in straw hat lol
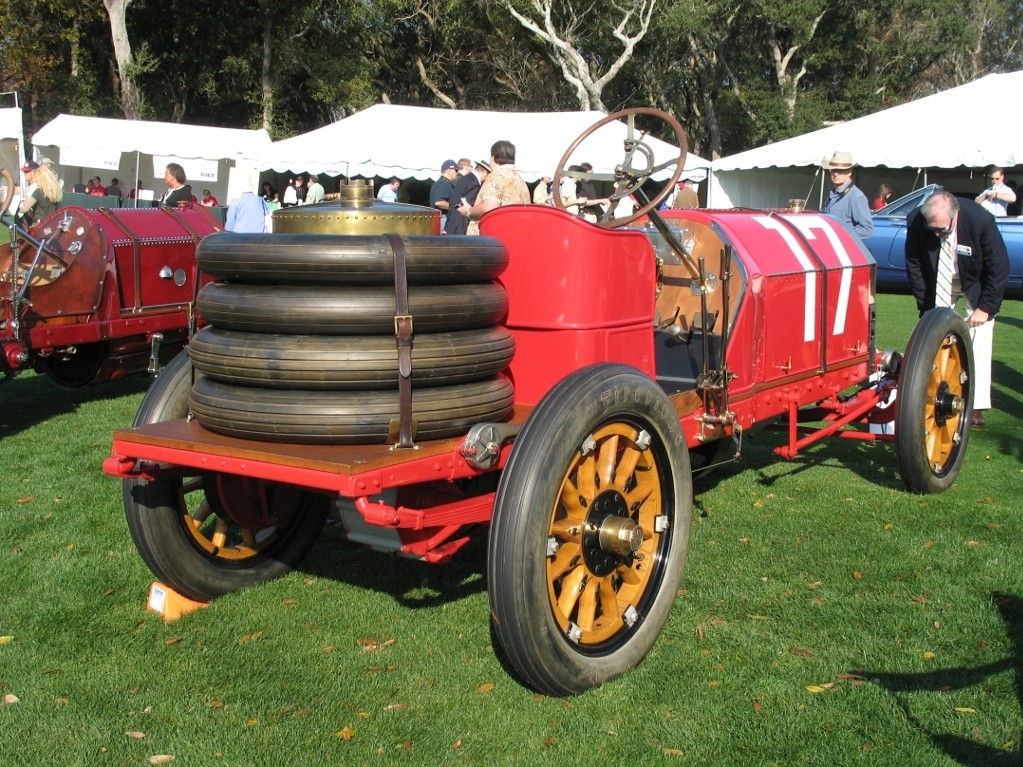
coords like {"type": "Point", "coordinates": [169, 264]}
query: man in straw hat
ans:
{"type": "Point", "coordinates": [846, 202]}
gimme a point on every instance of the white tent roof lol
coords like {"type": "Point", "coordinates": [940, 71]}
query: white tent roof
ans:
{"type": "Point", "coordinates": [974, 125]}
{"type": "Point", "coordinates": [10, 123]}
{"type": "Point", "coordinates": [101, 135]}
{"type": "Point", "coordinates": [411, 142]}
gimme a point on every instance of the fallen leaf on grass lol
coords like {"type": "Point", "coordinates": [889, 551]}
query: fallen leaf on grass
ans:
{"type": "Point", "coordinates": [25, 499]}
{"type": "Point", "coordinates": [372, 645]}
{"type": "Point", "coordinates": [929, 545]}
{"type": "Point", "coordinates": [161, 759]}
{"type": "Point", "coordinates": [345, 733]}
{"type": "Point", "coordinates": [817, 689]}
{"type": "Point", "coordinates": [456, 745]}
{"type": "Point", "coordinates": [929, 655]}
{"type": "Point", "coordinates": [6, 639]}
{"type": "Point", "coordinates": [853, 677]}
{"type": "Point", "coordinates": [9, 699]}
{"type": "Point", "coordinates": [548, 741]}
{"type": "Point", "coordinates": [250, 637]}
{"type": "Point", "coordinates": [920, 600]}
{"type": "Point", "coordinates": [801, 652]}
{"type": "Point", "coordinates": [62, 701]}
{"type": "Point", "coordinates": [964, 710]}
{"type": "Point", "coordinates": [397, 707]}
{"type": "Point", "coordinates": [971, 544]}
{"type": "Point", "coordinates": [172, 641]}
{"type": "Point", "coordinates": [674, 752]}
{"type": "Point", "coordinates": [857, 575]}
{"type": "Point", "coordinates": [485, 688]}
{"type": "Point", "coordinates": [136, 734]}
{"type": "Point", "coordinates": [381, 669]}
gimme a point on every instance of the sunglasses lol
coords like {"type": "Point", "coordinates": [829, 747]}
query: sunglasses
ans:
{"type": "Point", "coordinates": [942, 230]}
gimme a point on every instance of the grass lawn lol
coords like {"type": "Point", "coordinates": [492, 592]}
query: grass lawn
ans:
{"type": "Point", "coordinates": [827, 617]}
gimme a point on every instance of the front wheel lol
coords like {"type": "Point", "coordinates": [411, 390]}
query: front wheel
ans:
{"type": "Point", "coordinates": [208, 534]}
{"type": "Point", "coordinates": [932, 417]}
{"type": "Point", "coordinates": [590, 530]}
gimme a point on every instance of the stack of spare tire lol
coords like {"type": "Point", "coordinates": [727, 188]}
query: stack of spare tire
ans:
{"type": "Point", "coordinates": [300, 343]}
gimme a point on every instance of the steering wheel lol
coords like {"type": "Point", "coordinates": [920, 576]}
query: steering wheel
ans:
{"type": "Point", "coordinates": [635, 170]}
{"type": "Point", "coordinates": [6, 189]}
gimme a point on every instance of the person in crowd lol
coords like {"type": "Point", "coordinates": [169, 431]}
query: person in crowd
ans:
{"type": "Point", "coordinates": [624, 207]}
{"type": "Point", "coordinates": [301, 189]}
{"type": "Point", "coordinates": [42, 194]}
{"type": "Point", "coordinates": [845, 201]}
{"type": "Point", "coordinates": [997, 197]}
{"type": "Point", "coordinates": [593, 207]}
{"type": "Point", "coordinates": [315, 192]}
{"type": "Point", "coordinates": [135, 192]}
{"type": "Point", "coordinates": [178, 192]}
{"type": "Point", "coordinates": [884, 196]}
{"type": "Point", "coordinates": [465, 192]}
{"type": "Point", "coordinates": [568, 191]}
{"type": "Point", "coordinates": [269, 193]}
{"type": "Point", "coordinates": [290, 199]}
{"type": "Point", "coordinates": [46, 162]}
{"type": "Point", "coordinates": [542, 191]}
{"type": "Point", "coordinates": [389, 191]}
{"type": "Point", "coordinates": [504, 186]}
{"type": "Point", "coordinates": [440, 192]}
{"type": "Point", "coordinates": [248, 211]}
{"type": "Point", "coordinates": [114, 190]}
{"type": "Point", "coordinates": [1014, 208]}
{"type": "Point", "coordinates": [953, 249]}
{"type": "Point", "coordinates": [685, 196]}
{"type": "Point", "coordinates": [96, 188]}
{"type": "Point", "coordinates": [209, 200]}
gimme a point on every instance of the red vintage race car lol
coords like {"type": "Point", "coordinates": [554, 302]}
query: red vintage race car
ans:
{"type": "Point", "coordinates": [87, 295]}
{"type": "Point", "coordinates": [557, 380]}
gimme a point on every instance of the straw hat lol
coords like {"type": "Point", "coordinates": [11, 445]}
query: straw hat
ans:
{"type": "Point", "coordinates": [839, 161]}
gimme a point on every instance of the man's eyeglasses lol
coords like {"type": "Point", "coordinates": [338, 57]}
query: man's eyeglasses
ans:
{"type": "Point", "coordinates": [941, 231]}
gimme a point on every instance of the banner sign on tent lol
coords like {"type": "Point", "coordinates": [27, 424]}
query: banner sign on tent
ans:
{"type": "Point", "coordinates": [196, 170]}
{"type": "Point", "coordinates": [90, 157]}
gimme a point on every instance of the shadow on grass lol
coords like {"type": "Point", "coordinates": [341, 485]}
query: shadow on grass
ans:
{"type": "Point", "coordinates": [411, 583]}
{"type": "Point", "coordinates": [965, 751]}
{"type": "Point", "coordinates": [27, 400]}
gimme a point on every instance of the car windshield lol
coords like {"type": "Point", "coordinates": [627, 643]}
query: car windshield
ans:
{"type": "Point", "coordinates": [905, 205]}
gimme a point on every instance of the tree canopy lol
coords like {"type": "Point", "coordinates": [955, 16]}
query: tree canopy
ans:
{"type": "Point", "coordinates": [737, 73]}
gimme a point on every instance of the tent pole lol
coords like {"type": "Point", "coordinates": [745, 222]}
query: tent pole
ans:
{"type": "Point", "coordinates": [136, 187]}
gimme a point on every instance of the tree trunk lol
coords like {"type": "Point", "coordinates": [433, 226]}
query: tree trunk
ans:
{"type": "Point", "coordinates": [131, 102]}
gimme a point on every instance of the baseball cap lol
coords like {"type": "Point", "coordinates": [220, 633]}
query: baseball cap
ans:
{"type": "Point", "coordinates": [30, 165]}
{"type": "Point", "coordinates": [448, 164]}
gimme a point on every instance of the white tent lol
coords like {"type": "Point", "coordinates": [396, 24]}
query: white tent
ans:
{"type": "Point", "coordinates": [12, 150]}
{"type": "Point", "coordinates": [965, 128]}
{"type": "Point", "coordinates": [411, 142]}
{"type": "Point", "coordinates": [109, 147]}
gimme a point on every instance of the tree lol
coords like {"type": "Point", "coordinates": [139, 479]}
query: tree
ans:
{"type": "Point", "coordinates": [579, 38]}
{"type": "Point", "coordinates": [131, 101]}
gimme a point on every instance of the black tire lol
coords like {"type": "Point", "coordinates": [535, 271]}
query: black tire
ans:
{"type": "Point", "coordinates": [361, 310]}
{"type": "Point", "coordinates": [346, 418]}
{"type": "Point", "coordinates": [348, 362]}
{"type": "Point", "coordinates": [935, 402]}
{"type": "Point", "coordinates": [550, 575]}
{"type": "Point", "coordinates": [327, 259]}
{"type": "Point", "coordinates": [265, 528]}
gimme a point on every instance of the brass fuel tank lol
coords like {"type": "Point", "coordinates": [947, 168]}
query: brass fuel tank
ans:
{"type": "Point", "coordinates": [355, 211]}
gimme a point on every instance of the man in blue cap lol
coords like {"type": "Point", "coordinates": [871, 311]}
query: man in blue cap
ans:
{"type": "Point", "coordinates": [440, 192]}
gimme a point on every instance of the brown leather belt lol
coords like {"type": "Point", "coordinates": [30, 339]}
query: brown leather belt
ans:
{"type": "Point", "coordinates": [402, 429]}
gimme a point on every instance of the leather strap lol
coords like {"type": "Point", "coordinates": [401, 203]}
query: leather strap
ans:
{"type": "Point", "coordinates": [403, 334]}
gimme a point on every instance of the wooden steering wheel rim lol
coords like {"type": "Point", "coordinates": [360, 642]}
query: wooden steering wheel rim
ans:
{"type": "Point", "coordinates": [629, 115]}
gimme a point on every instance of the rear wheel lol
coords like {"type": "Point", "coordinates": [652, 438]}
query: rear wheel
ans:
{"type": "Point", "coordinates": [932, 417]}
{"type": "Point", "coordinates": [590, 530]}
{"type": "Point", "coordinates": [208, 534]}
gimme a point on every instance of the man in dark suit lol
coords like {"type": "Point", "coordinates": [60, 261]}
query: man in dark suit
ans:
{"type": "Point", "coordinates": [979, 273]}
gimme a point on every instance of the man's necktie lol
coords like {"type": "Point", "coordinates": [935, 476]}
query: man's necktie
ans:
{"type": "Point", "coordinates": [943, 293]}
